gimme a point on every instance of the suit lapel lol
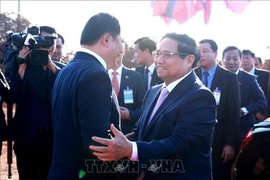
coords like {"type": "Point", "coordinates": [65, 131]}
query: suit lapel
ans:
{"type": "Point", "coordinates": [149, 108]}
{"type": "Point", "coordinates": [178, 92]}
{"type": "Point", "coordinates": [154, 78]}
{"type": "Point", "coordinates": [216, 79]}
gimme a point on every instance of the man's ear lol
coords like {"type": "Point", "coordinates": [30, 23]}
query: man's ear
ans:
{"type": "Point", "coordinates": [105, 39]}
{"type": "Point", "coordinates": [191, 59]}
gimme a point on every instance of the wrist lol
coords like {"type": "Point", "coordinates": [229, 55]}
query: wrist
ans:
{"type": "Point", "coordinates": [129, 152]}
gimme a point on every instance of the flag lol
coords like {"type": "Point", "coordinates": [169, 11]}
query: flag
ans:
{"type": "Point", "coordinates": [236, 6]}
{"type": "Point", "coordinates": [184, 10]}
{"type": "Point", "coordinates": [159, 8]}
{"type": "Point", "coordinates": [206, 6]}
{"type": "Point", "coordinates": [181, 11]}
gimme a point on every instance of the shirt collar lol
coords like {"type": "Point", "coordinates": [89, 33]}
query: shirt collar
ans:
{"type": "Point", "coordinates": [172, 85]}
{"type": "Point", "coordinates": [95, 55]}
{"type": "Point", "coordinates": [212, 71]}
{"type": "Point", "coordinates": [237, 71]}
{"type": "Point", "coordinates": [118, 70]}
{"type": "Point", "coordinates": [252, 71]}
{"type": "Point", "coordinates": [151, 68]}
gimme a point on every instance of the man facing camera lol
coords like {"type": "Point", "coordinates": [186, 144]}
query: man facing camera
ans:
{"type": "Point", "coordinates": [177, 119]}
{"type": "Point", "coordinates": [252, 97]}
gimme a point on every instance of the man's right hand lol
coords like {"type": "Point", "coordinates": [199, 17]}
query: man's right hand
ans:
{"type": "Point", "coordinates": [23, 54]}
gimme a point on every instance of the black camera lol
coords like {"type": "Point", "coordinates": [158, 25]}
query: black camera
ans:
{"type": "Point", "coordinates": [31, 38]}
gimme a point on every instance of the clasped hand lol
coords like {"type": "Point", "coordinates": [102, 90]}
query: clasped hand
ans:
{"type": "Point", "coordinates": [114, 149]}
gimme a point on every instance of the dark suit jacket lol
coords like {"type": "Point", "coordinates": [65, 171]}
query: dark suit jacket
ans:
{"type": "Point", "coordinates": [263, 78]}
{"type": "Point", "coordinates": [180, 132]}
{"type": "Point", "coordinates": [132, 80]}
{"type": "Point", "coordinates": [82, 107]}
{"type": "Point", "coordinates": [155, 79]}
{"type": "Point", "coordinates": [252, 98]}
{"type": "Point", "coordinates": [228, 110]}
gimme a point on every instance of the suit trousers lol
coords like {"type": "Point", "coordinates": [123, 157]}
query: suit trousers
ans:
{"type": "Point", "coordinates": [34, 159]}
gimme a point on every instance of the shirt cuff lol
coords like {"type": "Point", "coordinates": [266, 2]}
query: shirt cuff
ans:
{"type": "Point", "coordinates": [134, 156]}
{"type": "Point", "coordinates": [245, 110]}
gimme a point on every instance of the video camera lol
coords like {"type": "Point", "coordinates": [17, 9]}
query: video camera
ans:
{"type": "Point", "coordinates": [31, 38]}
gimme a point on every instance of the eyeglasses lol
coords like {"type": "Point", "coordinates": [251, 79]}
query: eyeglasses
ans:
{"type": "Point", "coordinates": [168, 54]}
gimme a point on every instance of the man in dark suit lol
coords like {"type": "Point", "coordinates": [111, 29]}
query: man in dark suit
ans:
{"type": "Point", "coordinates": [144, 48]}
{"type": "Point", "coordinates": [128, 86]}
{"type": "Point", "coordinates": [180, 130]}
{"type": "Point", "coordinates": [31, 126]}
{"type": "Point", "coordinates": [263, 78]}
{"type": "Point", "coordinates": [84, 103]}
{"type": "Point", "coordinates": [225, 87]}
{"type": "Point", "coordinates": [252, 97]}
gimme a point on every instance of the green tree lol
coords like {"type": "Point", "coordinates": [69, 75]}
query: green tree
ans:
{"type": "Point", "coordinates": [11, 21]}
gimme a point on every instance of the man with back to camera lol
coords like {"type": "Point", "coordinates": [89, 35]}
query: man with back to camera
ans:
{"type": "Point", "coordinates": [31, 126]}
{"type": "Point", "coordinates": [177, 120]}
{"type": "Point", "coordinates": [84, 103]}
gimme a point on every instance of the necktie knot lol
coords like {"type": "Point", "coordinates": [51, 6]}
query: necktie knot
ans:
{"type": "Point", "coordinates": [164, 93]}
{"type": "Point", "coordinates": [206, 74]}
{"type": "Point", "coordinates": [114, 73]}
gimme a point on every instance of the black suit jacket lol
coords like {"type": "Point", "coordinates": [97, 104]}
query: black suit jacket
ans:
{"type": "Point", "coordinates": [155, 79]}
{"type": "Point", "coordinates": [252, 98]}
{"type": "Point", "coordinates": [228, 110]}
{"type": "Point", "coordinates": [180, 133]}
{"type": "Point", "coordinates": [82, 107]}
{"type": "Point", "coordinates": [263, 78]}
{"type": "Point", "coordinates": [132, 80]}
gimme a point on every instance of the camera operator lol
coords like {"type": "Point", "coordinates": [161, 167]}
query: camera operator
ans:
{"type": "Point", "coordinates": [31, 126]}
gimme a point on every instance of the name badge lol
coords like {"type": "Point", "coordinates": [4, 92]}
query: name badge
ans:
{"type": "Point", "coordinates": [128, 96]}
{"type": "Point", "coordinates": [217, 94]}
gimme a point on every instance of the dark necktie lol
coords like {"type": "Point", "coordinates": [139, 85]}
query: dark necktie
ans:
{"type": "Point", "coordinates": [145, 79]}
{"type": "Point", "coordinates": [205, 82]}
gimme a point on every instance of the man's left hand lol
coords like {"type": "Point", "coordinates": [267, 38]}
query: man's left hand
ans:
{"type": "Point", "coordinates": [116, 148]}
{"type": "Point", "coordinates": [227, 153]}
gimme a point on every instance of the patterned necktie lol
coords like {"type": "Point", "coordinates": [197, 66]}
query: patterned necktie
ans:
{"type": "Point", "coordinates": [164, 93]}
{"type": "Point", "coordinates": [145, 79]}
{"type": "Point", "coordinates": [115, 82]}
{"type": "Point", "coordinates": [205, 82]}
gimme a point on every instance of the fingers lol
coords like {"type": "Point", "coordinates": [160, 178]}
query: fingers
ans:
{"type": "Point", "coordinates": [115, 131]}
{"type": "Point", "coordinates": [98, 148]}
{"type": "Point", "coordinates": [129, 134]}
{"type": "Point", "coordinates": [223, 154]}
{"type": "Point", "coordinates": [102, 140]}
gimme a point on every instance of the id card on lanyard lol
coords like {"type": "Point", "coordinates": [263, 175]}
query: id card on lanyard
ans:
{"type": "Point", "coordinates": [128, 96]}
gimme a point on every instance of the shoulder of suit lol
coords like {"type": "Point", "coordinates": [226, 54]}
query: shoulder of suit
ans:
{"type": "Point", "coordinates": [262, 71]}
{"type": "Point", "coordinates": [225, 71]}
{"type": "Point", "coordinates": [247, 74]}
